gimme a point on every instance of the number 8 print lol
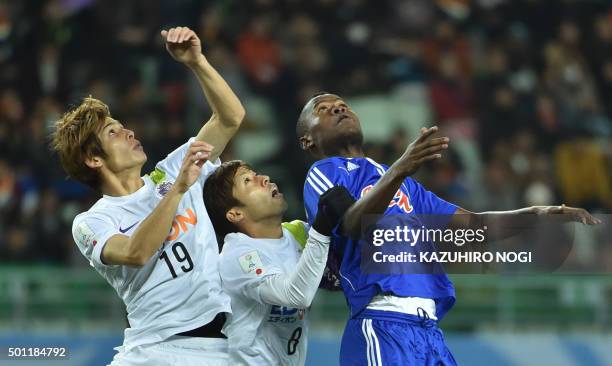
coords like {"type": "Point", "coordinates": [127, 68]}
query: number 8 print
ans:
{"type": "Point", "coordinates": [294, 340]}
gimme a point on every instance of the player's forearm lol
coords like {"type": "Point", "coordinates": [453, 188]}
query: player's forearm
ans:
{"type": "Point", "coordinates": [374, 202]}
{"type": "Point", "coordinates": [298, 288]}
{"type": "Point", "coordinates": [153, 231]}
{"type": "Point", "coordinates": [499, 224]}
{"type": "Point", "coordinates": [223, 102]}
{"type": "Point", "coordinates": [505, 224]}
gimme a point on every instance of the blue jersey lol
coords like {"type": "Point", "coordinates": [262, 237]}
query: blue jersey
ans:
{"type": "Point", "coordinates": [359, 175]}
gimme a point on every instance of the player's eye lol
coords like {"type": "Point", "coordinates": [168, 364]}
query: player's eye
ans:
{"type": "Point", "coordinates": [322, 108]}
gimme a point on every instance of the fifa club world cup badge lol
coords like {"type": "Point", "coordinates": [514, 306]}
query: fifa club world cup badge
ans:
{"type": "Point", "coordinates": [251, 263]}
{"type": "Point", "coordinates": [163, 188]}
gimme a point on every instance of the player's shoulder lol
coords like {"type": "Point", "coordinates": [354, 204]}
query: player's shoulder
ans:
{"type": "Point", "coordinates": [411, 183]}
{"type": "Point", "coordinates": [328, 163]}
{"type": "Point", "coordinates": [235, 244]}
{"type": "Point", "coordinates": [297, 230]}
{"type": "Point", "coordinates": [373, 163]}
{"type": "Point", "coordinates": [326, 173]}
{"type": "Point", "coordinates": [338, 164]}
{"type": "Point", "coordinates": [100, 209]}
{"type": "Point", "coordinates": [240, 256]}
{"type": "Point", "coordinates": [102, 212]}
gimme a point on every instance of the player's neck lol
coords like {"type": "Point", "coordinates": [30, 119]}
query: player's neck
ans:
{"type": "Point", "coordinates": [269, 228]}
{"type": "Point", "coordinates": [347, 151]}
{"type": "Point", "coordinates": [121, 184]}
{"type": "Point", "coordinates": [352, 152]}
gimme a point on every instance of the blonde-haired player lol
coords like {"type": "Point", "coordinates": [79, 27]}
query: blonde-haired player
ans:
{"type": "Point", "coordinates": [150, 236]}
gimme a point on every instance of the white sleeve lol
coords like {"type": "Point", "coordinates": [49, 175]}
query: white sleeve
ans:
{"type": "Point", "coordinates": [267, 284]}
{"type": "Point", "coordinates": [297, 289]}
{"type": "Point", "coordinates": [171, 165]}
{"type": "Point", "coordinates": [91, 232]}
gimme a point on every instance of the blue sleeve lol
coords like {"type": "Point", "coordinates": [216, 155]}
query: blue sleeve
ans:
{"type": "Point", "coordinates": [320, 178]}
{"type": "Point", "coordinates": [426, 202]}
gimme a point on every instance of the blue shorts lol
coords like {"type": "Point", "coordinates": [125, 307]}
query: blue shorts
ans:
{"type": "Point", "coordinates": [378, 337]}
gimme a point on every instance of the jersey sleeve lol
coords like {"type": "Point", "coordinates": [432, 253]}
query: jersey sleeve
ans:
{"type": "Point", "coordinates": [91, 232]}
{"type": "Point", "coordinates": [427, 202]}
{"type": "Point", "coordinates": [319, 179]}
{"type": "Point", "coordinates": [171, 165]}
{"type": "Point", "coordinates": [296, 288]}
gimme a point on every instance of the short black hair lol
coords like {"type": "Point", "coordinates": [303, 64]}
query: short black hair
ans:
{"type": "Point", "coordinates": [301, 127]}
{"type": "Point", "coordinates": [219, 197]}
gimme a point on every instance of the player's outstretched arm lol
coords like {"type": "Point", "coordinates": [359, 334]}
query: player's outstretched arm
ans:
{"type": "Point", "coordinates": [425, 148]}
{"type": "Point", "coordinates": [297, 289]}
{"type": "Point", "coordinates": [136, 250]}
{"type": "Point", "coordinates": [504, 224]}
{"type": "Point", "coordinates": [184, 46]}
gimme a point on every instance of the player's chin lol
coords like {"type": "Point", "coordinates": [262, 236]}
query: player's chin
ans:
{"type": "Point", "coordinates": [283, 204]}
{"type": "Point", "coordinates": [352, 128]}
{"type": "Point", "coordinates": [141, 157]}
{"type": "Point", "coordinates": [139, 151]}
{"type": "Point", "coordinates": [352, 134]}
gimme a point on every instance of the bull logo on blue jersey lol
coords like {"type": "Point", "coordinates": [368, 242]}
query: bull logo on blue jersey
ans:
{"type": "Point", "coordinates": [401, 199]}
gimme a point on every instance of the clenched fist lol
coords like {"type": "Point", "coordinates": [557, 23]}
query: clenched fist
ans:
{"type": "Point", "coordinates": [183, 45]}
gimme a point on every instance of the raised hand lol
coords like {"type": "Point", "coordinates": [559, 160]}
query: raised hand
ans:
{"type": "Point", "coordinates": [196, 156]}
{"type": "Point", "coordinates": [183, 45]}
{"type": "Point", "coordinates": [425, 148]}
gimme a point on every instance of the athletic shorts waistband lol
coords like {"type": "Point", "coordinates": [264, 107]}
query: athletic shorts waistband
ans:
{"type": "Point", "coordinates": [422, 320]}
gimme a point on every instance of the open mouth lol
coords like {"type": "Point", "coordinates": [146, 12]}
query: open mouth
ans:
{"type": "Point", "coordinates": [275, 192]}
{"type": "Point", "coordinates": [343, 118]}
{"type": "Point", "coordinates": [138, 146]}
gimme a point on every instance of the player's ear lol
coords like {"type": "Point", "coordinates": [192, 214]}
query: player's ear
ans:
{"type": "Point", "coordinates": [94, 162]}
{"type": "Point", "coordinates": [306, 142]}
{"type": "Point", "coordinates": [234, 215]}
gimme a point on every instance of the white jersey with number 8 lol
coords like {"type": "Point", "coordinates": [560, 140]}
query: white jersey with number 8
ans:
{"type": "Point", "coordinates": [260, 333]}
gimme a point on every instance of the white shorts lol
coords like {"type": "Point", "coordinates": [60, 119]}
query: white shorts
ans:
{"type": "Point", "coordinates": [176, 350]}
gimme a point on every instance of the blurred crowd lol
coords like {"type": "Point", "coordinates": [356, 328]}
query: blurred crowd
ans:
{"type": "Point", "coordinates": [523, 88]}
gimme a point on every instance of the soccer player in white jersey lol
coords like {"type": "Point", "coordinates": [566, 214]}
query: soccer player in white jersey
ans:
{"type": "Point", "coordinates": [271, 270]}
{"type": "Point", "coordinates": [150, 236]}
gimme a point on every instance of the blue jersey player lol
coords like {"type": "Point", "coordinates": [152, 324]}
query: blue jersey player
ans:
{"type": "Point", "coordinates": [393, 317]}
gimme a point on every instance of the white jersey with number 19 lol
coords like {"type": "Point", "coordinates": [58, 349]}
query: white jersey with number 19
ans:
{"type": "Point", "coordinates": [179, 288]}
